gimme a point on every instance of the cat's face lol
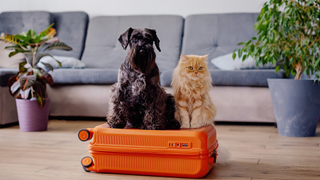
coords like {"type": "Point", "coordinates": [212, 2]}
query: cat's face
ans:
{"type": "Point", "coordinates": [194, 67]}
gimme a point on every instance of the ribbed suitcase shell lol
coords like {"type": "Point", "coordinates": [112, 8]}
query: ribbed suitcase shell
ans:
{"type": "Point", "coordinates": [177, 153]}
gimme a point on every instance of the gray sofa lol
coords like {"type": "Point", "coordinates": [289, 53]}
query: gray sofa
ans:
{"type": "Point", "coordinates": [240, 95]}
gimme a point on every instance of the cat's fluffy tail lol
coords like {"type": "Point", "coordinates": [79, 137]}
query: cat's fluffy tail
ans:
{"type": "Point", "coordinates": [223, 154]}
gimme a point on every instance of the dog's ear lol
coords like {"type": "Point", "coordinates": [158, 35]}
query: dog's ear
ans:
{"type": "Point", "coordinates": [124, 38]}
{"type": "Point", "coordinates": [155, 39]}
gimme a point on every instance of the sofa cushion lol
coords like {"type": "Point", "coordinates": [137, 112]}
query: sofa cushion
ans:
{"type": "Point", "coordinates": [66, 62]}
{"type": "Point", "coordinates": [16, 22]}
{"type": "Point", "coordinates": [71, 29]}
{"type": "Point", "coordinates": [5, 74]}
{"type": "Point", "coordinates": [254, 78]}
{"type": "Point", "coordinates": [217, 34]}
{"type": "Point", "coordinates": [226, 62]}
{"type": "Point", "coordinates": [85, 76]}
{"type": "Point", "coordinates": [104, 51]}
{"type": "Point", "coordinates": [9, 62]}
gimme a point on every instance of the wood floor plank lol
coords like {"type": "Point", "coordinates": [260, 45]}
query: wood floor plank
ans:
{"type": "Point", "coordinates": [257, 153]}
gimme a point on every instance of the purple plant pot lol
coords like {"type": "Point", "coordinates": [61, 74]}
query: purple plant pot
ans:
{"type": "Point", "coordinates": [31, 116]}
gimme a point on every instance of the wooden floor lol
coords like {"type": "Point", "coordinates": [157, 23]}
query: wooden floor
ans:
{"type": "Point", "coordinates": [258, 152]}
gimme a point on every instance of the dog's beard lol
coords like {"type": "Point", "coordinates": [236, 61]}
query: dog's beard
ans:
{"type": "Point", "coordinates": [142, 62]}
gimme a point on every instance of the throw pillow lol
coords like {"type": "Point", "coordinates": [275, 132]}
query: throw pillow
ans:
{"type": "Point", "coordinates": [5, 61]}
{"type": "Point", "coordinates": [66, 62]}
{"type": "Point", "coordinates": [226, 62]}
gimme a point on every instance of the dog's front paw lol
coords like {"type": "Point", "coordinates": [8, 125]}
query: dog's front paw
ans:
{"type": "Point", "coordinates": [142, 126]}
{"type": "Point", "coordinates": [118, 124]}
{"type": "Point", "coordinates": [156, 127]}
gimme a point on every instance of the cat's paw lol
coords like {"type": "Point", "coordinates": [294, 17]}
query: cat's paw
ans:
{"type": "Point", "coordinates": [194, 125]}
{"type": "Point", "coordinates": [185, 126]}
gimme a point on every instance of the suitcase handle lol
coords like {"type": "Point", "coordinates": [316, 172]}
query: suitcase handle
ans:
{"type": "Point", "coordinates": [213, 157]}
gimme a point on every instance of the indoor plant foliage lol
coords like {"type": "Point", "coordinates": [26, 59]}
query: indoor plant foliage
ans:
{"type": "Point", "coordinates": [30, 81]}
{"type": "Point", "coordinates": [288, 36]}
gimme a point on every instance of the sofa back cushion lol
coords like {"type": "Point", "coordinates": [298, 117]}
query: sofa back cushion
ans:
{"type": "Point", "coordinates": [71, 29]}
{"type": "Point", "coordinates": [16, 22]}
{"type": "Point", "coordinates": [217, 34]}
{"type": "Point", "coordinates": [5, 61]}
{"type": "Point", "coordinates": [104, 51]}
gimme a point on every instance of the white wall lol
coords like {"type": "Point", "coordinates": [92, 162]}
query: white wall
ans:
{"type": "Point", "coordinates": [130, 7]}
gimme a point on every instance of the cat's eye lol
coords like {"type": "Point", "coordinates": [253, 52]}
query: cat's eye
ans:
{"type": "Point", "coordinates": [190, 68]}
{"type": "Point", "coordinates": [200, 68]}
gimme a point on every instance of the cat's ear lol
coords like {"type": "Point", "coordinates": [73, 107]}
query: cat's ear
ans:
{"type": "Point", "coordinates": [205, 57]}
{"type": "Point", "coordinates": [183, 58]}
{"type": "Point", "coordinates": [124, 38]}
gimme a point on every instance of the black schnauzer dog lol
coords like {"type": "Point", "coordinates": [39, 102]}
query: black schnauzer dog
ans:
{"type": "Point", "coordinates": [137, 99]}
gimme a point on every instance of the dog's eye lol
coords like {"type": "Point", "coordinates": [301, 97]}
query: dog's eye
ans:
{"type": "Point", "coordinates": [200, 68]}
{"type": "Point", "coordinates": [190, 68]}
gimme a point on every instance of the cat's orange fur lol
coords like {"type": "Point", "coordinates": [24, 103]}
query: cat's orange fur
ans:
{"type": "Point", "coordinates": [191, 83]}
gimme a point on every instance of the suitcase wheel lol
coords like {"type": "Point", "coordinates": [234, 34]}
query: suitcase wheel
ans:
{"type": "Point", "coordinates": [86, 162]}
{"type": "Point", "coordinates": [85, 169]}
{"type": "Point", "coordinates": [84, 135]}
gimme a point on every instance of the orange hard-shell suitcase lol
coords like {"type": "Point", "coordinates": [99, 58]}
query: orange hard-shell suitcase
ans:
{"type": "Point", "coordinates": [177, 153]}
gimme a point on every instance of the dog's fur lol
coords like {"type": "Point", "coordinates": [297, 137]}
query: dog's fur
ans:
{"type": "Point", "coordinates": [137, 99]}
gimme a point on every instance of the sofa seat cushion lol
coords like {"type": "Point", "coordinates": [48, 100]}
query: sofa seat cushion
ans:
{"type": "Point", "coordinates": [217, 34]}
{"type": "Point", "coordinates": [5, 74]}
{"type": "Point", "coordinates": [253, 78]}
{"type": "Point", "coordinates": [103, 49]}
{"type": "Point", "coordinates": [85, 76]}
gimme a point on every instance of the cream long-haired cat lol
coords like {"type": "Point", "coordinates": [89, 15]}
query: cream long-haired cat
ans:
{"type": "Point", "coordinates": [191, 84]}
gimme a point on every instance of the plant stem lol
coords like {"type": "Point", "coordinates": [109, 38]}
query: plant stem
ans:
{"type": "Point", "coordinates": [299, 70]}
{"type": "Point", "coordinates": [34, 51]}
{"type": "Point", "coordinates": [31, 92]}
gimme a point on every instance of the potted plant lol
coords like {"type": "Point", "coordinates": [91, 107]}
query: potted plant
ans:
{"type": "Point", "coordinates": [289, 37]}
{"type": "Point", "coordinates": [29, 85]}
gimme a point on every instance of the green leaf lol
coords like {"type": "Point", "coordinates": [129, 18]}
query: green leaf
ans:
{"type": "Point", "coordinates": [244, 57]}
{"type": "Point", "coordinates": [27, 81]}
{"type": "Point", "coordinates": [58, 45]}
{"type": "Point", "coordinates": [60, 64]}
{"type": "Point", "coordinates": [8, 38]}
{"type": "Point", "coordinates": [41, 101]}
{"type": "Point", "coordinates": [277, 69]}
{"type": "Point", "coordinates": [13, 53]}
{"type": "Point", "coordinates": [234, 56]}
{"type": "Point", "coordinates": [22, 69]}
{"type": "Point", "coordinates": [48, 65]}
{"type": "Point", "coordinates": [17, 48]}
{"type": "Point", "coordinates": [31, 34]}
{"type": "Point", "coordinates": [46, 32]}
